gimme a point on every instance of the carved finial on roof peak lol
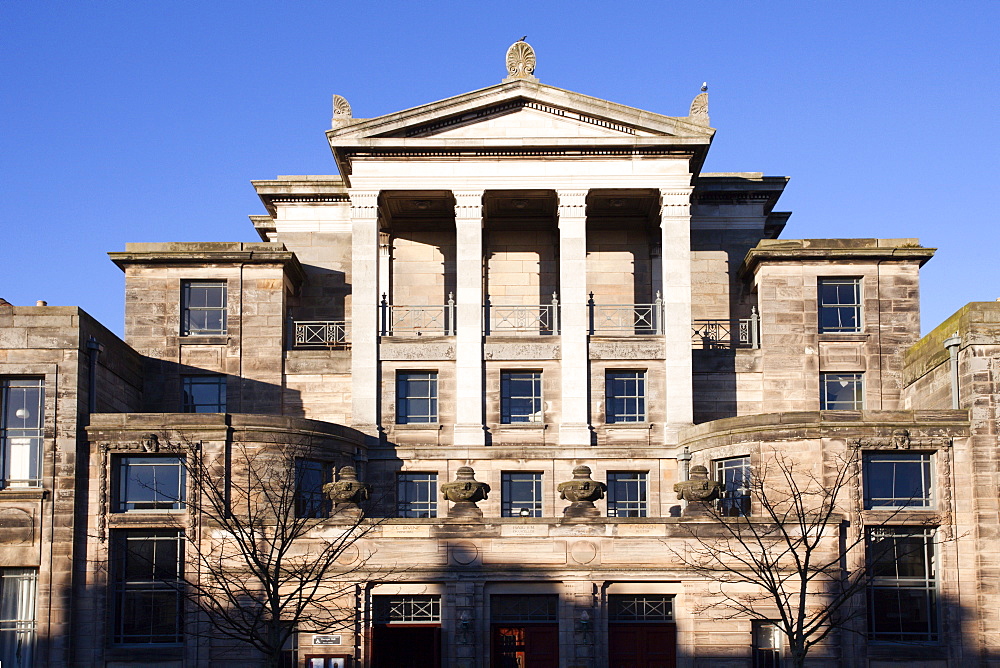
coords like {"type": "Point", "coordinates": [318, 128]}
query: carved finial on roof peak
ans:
{"type": "Point", "coordinates": [699, 107]}
{"type": "Point", "coordinates": [341, 111]}
{"type": "Point", "coordinates": [520, 62]}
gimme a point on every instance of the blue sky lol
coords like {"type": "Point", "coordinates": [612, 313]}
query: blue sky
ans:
{"type": "Point", "coordinates": [145, 121]}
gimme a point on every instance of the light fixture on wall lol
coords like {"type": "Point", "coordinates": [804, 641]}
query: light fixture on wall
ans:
{"type": "Point", "coordinates": [583, 621]}
{"type": "Point", "coordinates": [524, 512]}
{"type": "Point", "coordinates": [22, 414]}
{"type": "Point", "coordinates": [465, 620]}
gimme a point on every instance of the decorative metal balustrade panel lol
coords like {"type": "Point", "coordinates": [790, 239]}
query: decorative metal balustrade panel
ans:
{"type": "Point", "coordinates": [726, 334]}
{"type": "Point", "coordinates": [642, 319]}
{"type": "Point", "coordinates": [527, 319]}
{"type": "Point", "coordinates": [322, 333]}
{"type": "Point", "coordinates": [417, 320]}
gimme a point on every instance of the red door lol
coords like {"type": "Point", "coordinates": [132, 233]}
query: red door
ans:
{"type": "Point", "coordinates": [642, 645]}
{"type": "Point", "coordinates": [526, 646]}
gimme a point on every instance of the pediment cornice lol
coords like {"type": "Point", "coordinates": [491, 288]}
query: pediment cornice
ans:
{"type": "Point", "coordinates": [425, 120]}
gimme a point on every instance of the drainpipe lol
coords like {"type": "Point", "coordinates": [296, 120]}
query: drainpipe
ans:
{"type": "Point", "coordinates": [952, 343]}
{"type": "Point", "coordinates": [94, 350]}
{"type": "Point", "coordinates": [685, 459]}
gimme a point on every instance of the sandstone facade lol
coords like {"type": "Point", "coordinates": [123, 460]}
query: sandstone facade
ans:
{"type": "Point", "coordinates": [522, 280]}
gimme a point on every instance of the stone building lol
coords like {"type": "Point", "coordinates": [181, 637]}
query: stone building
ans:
{"type": "Point", "coordinates": [524, 281]}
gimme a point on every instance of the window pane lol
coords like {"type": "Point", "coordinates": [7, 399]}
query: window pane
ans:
{"type": "Point", "coordinates": [203, 307]}
{"type": "Point", "coordinates": [407, 609]}
{"type": "Point", "coordinates": [627, 494]}
{"type": "Point", "coordinates": [520, 396]}
{"type": "Point", "coordinates": [901, 598]}
{"type": "Point", "coordinates": [204, 394]}
{"type": "Point", "coordinates": [625, 396]}
{"type": "Point", "coordinates": [416, 495]}
{"type": "Point", "coordinates": [147, 599]}
{"type": "Point", "coordinates": [897, 480]}
{"type": "Point", "coordinates": [310, 500]}
{"type": "Point", "coordinates": [150, 483]}
{"type": "Point", "coordinates": [839, 304]}
{"type": "Point", "coordinates": [17, 615]}
{"type": "Point", "coordinates": [841, 391]}
{"type": "Point", "coordinates": [734, 474]}
{"type": "Point", "coordinates": [524, 608]}
{"type": "Point", "coordinates": [21, 420]}
{"type": "Point", "coordinates": [416, 398]}
{"type": "Point", "coordinates": [521, 491]}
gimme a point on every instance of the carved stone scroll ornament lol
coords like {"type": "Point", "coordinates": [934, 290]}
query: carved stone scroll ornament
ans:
{"type": "Point", "coordinates": [699, 491]}
{"type": "Point", "coordinates": [581, 492]}
{"type": "Point", "coordinates": [464, 492]}
{"type": "Point", "coordinates": [520, 62]}
{"type": "Point", "coordinates": [699, 109]}
{"type": "Point", "coordinates": [347, 492]}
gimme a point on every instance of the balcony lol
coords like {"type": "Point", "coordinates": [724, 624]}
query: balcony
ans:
{"type": "Point", "coordinates": [727, 334]}
{"type": "Point", "coordinates": [521, 319]}
{"type": "Point", "coordinates": [625, 319]}
{"type": "Point", "coordinates": [404, 320]}
{"type": "Point", "coordinates": [321, 334]}
{"type": "Point", "coordinates": [531, 320]}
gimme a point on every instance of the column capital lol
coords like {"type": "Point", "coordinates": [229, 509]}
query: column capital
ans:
{"type": "Point", "coordinates": [364, 203]}
{"type": "Point", "coordinates": [468, 203]}
{"type": "Point", "coordinates": [675, 202]}
{"type": "Point", "coordinates": [572, 203]}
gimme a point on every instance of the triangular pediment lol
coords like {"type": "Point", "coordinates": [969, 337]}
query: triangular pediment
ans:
{"type": "Point", "coordinates": [520, 110]}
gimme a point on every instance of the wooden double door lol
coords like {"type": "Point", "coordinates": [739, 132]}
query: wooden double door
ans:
{"type": "Point", "coordinates": [642, 645]}
{"type": "Point", "coordinates": [396, 646]}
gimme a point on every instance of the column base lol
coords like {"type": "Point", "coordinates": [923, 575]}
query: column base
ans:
{"type": "Point", "coordinates": [470, 435]}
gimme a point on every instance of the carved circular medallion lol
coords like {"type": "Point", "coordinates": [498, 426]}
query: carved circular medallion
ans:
{"type": "Point", "coordinates": [463, 552]}
{"type": "Point", "coordinates": [583, 552]}
{"type": "Point", "coordinates": [349, 555]}
{"type": "Point", "coordinates": [520, 60]}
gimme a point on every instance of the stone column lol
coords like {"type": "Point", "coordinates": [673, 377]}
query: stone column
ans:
{"type": "Point", "coordinates": [675, 253]}
{"type": "Point", "coordinates": [364, 312]}
{"type": "Point", "coordinates": [574, 428]}
{"type": "Point", "coordinates": [469, 396]}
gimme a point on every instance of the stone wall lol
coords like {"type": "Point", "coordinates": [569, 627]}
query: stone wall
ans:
{"type": "Point", "coordinates": [43, 526]}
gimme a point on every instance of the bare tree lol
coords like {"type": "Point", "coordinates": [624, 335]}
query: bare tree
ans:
{"type": "Point", "coordinates": [265, 564]}
{"type": "Point", "coordinates": [798, 561]}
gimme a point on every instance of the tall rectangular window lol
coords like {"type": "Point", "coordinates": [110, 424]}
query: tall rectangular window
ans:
{"type": "Point", "coordinates": [22, 404]}
{"type": "Point", "coordinates": [416, 495]}
{"type": "Point", "coordinates": [204, 394]}
{"type": "Point", "coordinates": [520, 494]}
{"type": "Point", "coordinates": [520, 396]}
{"type": "Point", "coordinates": [627, 494]}
{"type": "Point", "coordinates": [625, 396]}
{"type": "Point", "coordinates": [839, 304]}
{"type": "Point", "coordinates": [841, 392]}
{"type": "Point", "coordinates": [902, 596]}
{"type": "Point", "coordinates": [147, 567]}
{"type": "Point", "coordinates": [897, 479]}
{"type": "Point", "coordinates": [310, 476]}
{"type": "Point", "coordinates": [17, 616]}
{"type": "Point", "coordinates": [149, 482]}
{"type": "Point", "coordinates": [203, 308]}
{"type": "Point", "coordinates": [734, 474]}
{"type": "Point", "coordinates": [417, 397]}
